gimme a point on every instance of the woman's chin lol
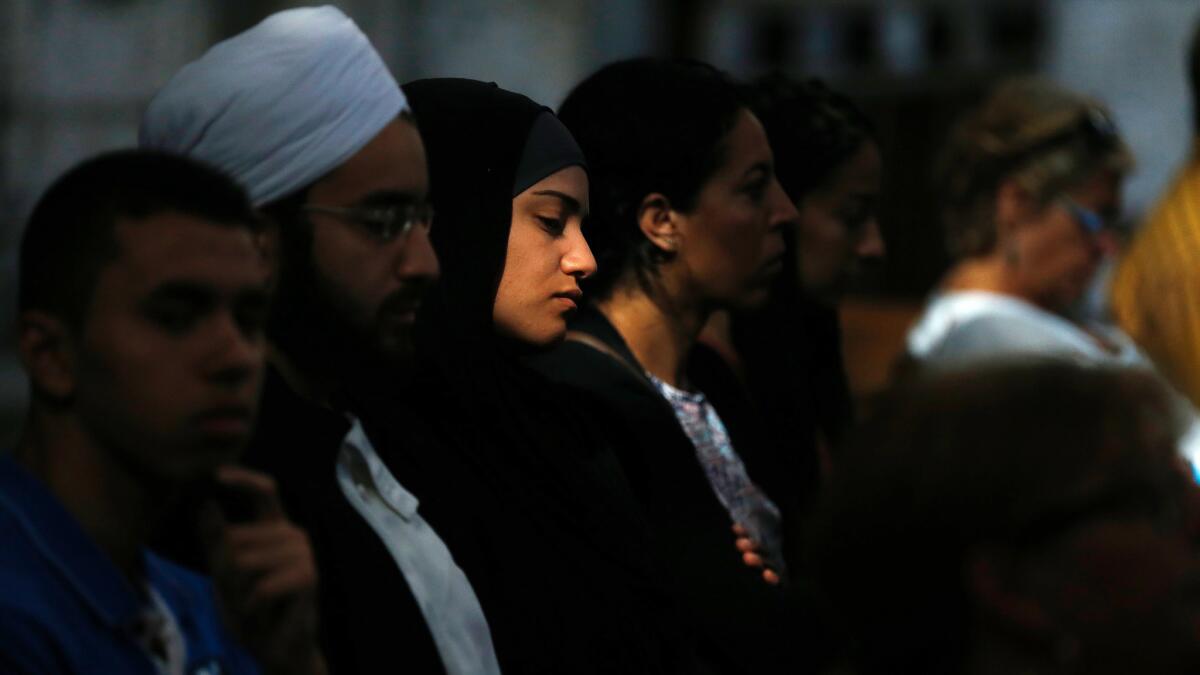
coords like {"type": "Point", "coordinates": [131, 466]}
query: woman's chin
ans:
{"type": "Point", "coordinates": [536, 338]}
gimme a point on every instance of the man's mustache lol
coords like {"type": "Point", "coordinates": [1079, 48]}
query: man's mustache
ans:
{"type": "Point", "coordinates": [407, 298]}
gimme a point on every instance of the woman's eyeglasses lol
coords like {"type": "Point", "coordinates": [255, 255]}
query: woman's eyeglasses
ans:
{"type": "Point", "coordinates": [1090, 221]}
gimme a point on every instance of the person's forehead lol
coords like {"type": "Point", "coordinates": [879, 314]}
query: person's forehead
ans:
{"type": "Point", "coordinates": [571, 181]}
{"type": "Point", "coordinates": [861, 172]}
{"type": "Point", "coordinates": [866, 162]}
{"type": "Point", "coordinates": [174, 245]}
{"type": "Point", "coordinates": [745, 146]}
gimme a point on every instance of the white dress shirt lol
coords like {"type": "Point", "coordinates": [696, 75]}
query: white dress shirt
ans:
{"type": "Point", "coordinates": [960, 329]}
{"type": "Point", "coordinates": [440, 588]}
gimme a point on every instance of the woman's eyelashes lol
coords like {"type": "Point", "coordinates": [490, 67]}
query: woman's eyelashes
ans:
{"type": "Point", "coordinates": [756, 189]}
{"type": "Point", "coordinates": [553, 224]}
{"type": "Point", "coordinates": [855, 214]}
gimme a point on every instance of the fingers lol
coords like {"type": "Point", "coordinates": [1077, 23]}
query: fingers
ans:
{"type": "Point", "coordinates": [256, 535]}
{"type": "Point", "coordinates": [259, 559]}
{"type": "Point", "coordinates": [284, 582]}
{"type": "Point", "coordinates": [745, 545]}
{"type": "Point", "coordinates": [265, 572]}
{"type": "Point", "coordinates": [750, 555]}
{"type": "Point", "coordinates": [258, 487]}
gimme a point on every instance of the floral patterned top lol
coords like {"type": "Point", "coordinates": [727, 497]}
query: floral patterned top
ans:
{"type": "Point", "coordinates": [746, 503]}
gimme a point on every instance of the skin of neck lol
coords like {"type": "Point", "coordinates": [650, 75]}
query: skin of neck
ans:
{"type": "Point", "coordinates": [114, 508]}
{"type": "Point", "coordinates": [660, 325]}
{"type": "Point", "coordinates": [984, 273]}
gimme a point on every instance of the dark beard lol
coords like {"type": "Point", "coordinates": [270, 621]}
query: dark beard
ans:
{"type": "Point", "coordinates": [308, 325]}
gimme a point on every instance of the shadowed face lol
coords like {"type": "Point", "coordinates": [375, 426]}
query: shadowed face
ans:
{"type": "Point", "coordinates": [1058, 250]}
{"type": "Point", "coordinates": [169, 360]}
{"type": "Point", "coordinates": [731, 243]}
{"type": "Point", "coordinates": [375, 284]}
{"type": "Point", "coordinates": [837, 231]}
{"type": "Point", "coordinates": [546, 259]}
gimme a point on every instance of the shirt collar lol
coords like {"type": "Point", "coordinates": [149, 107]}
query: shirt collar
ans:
{"type": "Point", "coordinates": [403, 502]}
{"type": "Point", "coordinates": [67, 549]}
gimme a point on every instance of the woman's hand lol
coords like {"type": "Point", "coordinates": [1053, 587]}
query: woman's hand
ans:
{"type": "Point", "coordinates": [750, 555]}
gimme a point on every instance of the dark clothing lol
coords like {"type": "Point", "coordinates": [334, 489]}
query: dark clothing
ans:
{"type": "Point", "coordinates": [791, 359]}
{"type": "Point", "coordinates": [532, 504]}
{"type": "Point", "coordinates": [370, 621]}
{"type": "Point", "coordinates": [564, 590]}
{"type": "Point", "coordinates": [65, 608]}
{"type": "Point", "coordinates": [744, 624]}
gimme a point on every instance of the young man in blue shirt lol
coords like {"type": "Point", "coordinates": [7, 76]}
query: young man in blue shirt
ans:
{"type": "Point", "coordinates": [141, 302]}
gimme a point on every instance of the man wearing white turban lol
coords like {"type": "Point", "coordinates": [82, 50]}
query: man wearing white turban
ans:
{"type": "Point", "coordinates": [302, 111]}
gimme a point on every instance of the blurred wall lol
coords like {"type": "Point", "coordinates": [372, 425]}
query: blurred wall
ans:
{"type": "Point", "coordinates": [1133, 56]}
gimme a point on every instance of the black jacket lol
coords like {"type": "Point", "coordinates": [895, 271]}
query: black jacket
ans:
{"type": "Point", "coordinates": [370, 621]}
{"type": "Point", "coordinates": [744, 624]}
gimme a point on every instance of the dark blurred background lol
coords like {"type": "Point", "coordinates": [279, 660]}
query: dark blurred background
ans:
{"type": "Point", "coordinates": [75, 75]}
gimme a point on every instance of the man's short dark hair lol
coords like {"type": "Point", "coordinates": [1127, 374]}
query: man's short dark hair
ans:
{"type": "Point", "coordinates": [70, 237]}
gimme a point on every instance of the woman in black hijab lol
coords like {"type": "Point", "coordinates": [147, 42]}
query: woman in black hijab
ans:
{"type": "Point", "coordinates": [533, 508]}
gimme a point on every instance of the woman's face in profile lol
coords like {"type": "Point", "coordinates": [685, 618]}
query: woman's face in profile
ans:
{"type": "Point", "coordinates": [547, 257]}
{"type": "Point", "coordinates": [837, 231]}
{"type": "Point", "coordinates": [731, 243]}
{"type": "Point", "coordinates": [1058, 250]}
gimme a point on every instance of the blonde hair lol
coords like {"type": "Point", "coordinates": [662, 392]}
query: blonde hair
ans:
{"type": "Point", "coordinates": [1042, 136]}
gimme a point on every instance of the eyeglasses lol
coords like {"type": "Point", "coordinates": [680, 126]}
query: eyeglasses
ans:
{"type": "Point", "coordinates": [1091, 221]}
{"type": "Point", "coordinates": [385, 223]}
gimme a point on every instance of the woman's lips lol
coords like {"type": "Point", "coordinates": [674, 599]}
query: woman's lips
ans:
{"type": "Point", "coordinates": [569, 299]}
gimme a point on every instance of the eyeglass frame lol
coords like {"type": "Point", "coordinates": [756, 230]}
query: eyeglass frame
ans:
{"type": "Point", "coordinates": [1089, 220]}
{"type": "Point", "coordinates": [374, 219]}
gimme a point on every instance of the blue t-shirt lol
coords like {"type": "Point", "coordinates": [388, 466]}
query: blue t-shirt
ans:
{"type": "Point", "coordinates": [65, 607]}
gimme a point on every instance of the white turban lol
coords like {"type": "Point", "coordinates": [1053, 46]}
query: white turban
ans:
{"type": "Point", "coordinates": [278, 106]}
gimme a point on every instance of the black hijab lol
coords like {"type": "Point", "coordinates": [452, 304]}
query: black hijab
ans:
{"type": "Point", "coordinates": [475, 136]}
{"type": "Point", "coordinates": [533, 507]}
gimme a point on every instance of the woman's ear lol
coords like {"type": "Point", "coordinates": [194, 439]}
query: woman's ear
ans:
{"type": "Point", "coordinates": [659, 222]}
{"type": "Point", "coordinates": [47, 351]}
{"type": "Point", "coordinates": [1013, 208]}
